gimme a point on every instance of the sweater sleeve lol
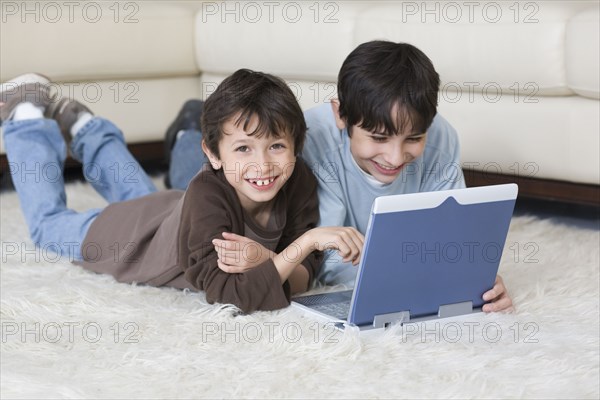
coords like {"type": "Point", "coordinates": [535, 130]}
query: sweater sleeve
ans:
{"type": "Point", "coordinates": [209, 209]}
{"type": "Point", "coordinates": [442, 155]}
{"type": "Point", "coordinates": [302, 215]}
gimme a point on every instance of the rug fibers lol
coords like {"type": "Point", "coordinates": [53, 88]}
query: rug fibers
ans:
{"type": "Point", "coordinates": [69, 333]}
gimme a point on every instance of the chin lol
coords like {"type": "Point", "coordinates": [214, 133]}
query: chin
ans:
{"type": "Point", "coordinates": [385, 179]}
{"type": "Point", "coordinates": [263, 198]}
{"type": "Point", "coordinates": [382, 177]}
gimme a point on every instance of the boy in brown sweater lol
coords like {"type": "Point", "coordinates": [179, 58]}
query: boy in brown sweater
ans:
{"type": "Point", "coordinates": [244, 231]}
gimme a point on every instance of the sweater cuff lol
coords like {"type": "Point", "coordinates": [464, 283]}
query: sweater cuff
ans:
{"type": "Point", "coordinates": [276, 295]}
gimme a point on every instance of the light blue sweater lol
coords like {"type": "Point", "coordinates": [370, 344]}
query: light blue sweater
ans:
{"type": "Point", "coordinates": [346, 192]}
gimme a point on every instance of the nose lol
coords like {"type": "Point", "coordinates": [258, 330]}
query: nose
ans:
{"type": "Point", "coordinates": [395, 156]}
{"type": "Point", "coordinates": [265, 163]}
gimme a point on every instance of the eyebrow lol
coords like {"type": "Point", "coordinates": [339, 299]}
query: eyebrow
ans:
{"type": "Point", "coordinates": [240, 141]}
{"type": "Point", "coordinates": [249, 141]}
{"type": "Point", "coordinates": [411, 135]}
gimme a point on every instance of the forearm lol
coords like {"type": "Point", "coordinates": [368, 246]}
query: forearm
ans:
{"type": "Point", "coordinates": [289, 263]}
{"type": "Point", "coordinates": [299, 280]}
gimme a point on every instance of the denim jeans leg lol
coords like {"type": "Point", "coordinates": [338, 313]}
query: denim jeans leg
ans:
{"type": "Point", "coordinates": [187, 158]}
{"type": "Point", "coordinates": [36, 153]}
{"type": "Point", "coordinates": [107, 163]}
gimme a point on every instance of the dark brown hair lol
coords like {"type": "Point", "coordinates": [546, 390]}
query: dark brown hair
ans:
{"type": "Point", "coordinates": [380, 75]}
{"type": "Point", "coordinates": [249, 93]}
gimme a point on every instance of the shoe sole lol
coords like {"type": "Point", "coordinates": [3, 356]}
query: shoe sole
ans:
{"type": "Point", "coordinates": [23, 80]}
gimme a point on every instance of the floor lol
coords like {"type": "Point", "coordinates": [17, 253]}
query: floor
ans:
{"type": "Point", "coordinates": [570, 214]}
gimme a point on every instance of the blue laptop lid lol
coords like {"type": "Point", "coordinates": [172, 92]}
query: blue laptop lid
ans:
{"type": "Point", "coordinates": [425, 250]}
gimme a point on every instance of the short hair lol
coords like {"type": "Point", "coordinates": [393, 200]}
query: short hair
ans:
{"type": "Point", "coordinates": [377, 77]}
{"type": "Point", "coordinates": [250, 93]}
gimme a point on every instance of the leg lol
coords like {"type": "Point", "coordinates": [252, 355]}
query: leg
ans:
{"type": "Point", "coordinates": [187, 158]}
{"type": "Point", "coordinates": [99, 145]}
{"type": "Point", "coordinates": [183, 146]}
{"type": "Point", "coordinates": [107, 163]}
{"type": "Point", "coordinates": [36, 152]}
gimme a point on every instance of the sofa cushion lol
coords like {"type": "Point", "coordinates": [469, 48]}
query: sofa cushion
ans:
{"type": "Point", "coordinates": [583, 53]}
{"type": "Point", "coordinates": [551, 137]}
{"type": "Point", "coordinates": [71, 41]}
{"type": "Point", "coordinates": [279, 38]}
{"type": "Point", "coordinates": [474, 44]}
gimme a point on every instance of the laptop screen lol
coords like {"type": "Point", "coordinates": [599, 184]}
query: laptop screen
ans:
{"type": "Point", "coordinates": [418, 258]}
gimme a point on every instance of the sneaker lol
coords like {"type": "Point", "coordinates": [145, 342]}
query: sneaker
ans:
{"type": "Point", "coordinates": [187, 119]}
{"type": "Point", "coordinates": [66, 112]}
{"type": "Point", "coordinates": [33, 88]}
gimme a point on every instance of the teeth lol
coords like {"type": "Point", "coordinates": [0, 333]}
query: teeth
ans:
{"type": "Point", "coordinates": [384, 167]}
{"type": "Point", "coordinates": [262, 182]}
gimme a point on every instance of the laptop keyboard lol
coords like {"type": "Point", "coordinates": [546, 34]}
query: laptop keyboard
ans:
{"type": "Point", "coordinates": [335, 310]}
{"type": "Point", "coordinates": [334, 304]}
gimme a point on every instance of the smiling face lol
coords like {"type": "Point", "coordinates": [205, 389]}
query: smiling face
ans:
{"type": "Point", "coordinates": [380, 155]}
{"type": "Point", "coordinates": [256, 166]}
{"type": "Point", "coordinates": [384, 156]}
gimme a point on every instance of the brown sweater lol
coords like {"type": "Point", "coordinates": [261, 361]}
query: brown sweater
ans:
{"type": "Point", "coordinates": [166, 239]}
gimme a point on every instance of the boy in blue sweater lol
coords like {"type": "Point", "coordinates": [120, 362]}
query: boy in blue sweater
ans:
{"type": "Point", "coordinates": [382, 136]}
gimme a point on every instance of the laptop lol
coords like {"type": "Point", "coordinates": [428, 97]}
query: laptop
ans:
{"type": "Point", "coordinates": [426, 256]}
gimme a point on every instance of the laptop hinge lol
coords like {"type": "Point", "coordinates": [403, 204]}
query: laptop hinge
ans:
{"type": "Point", "coordinates": [444, 311]}
{"type": "Point", "coordinates": [383, 320]}
{"type": "Point", "coordinates": [454, 309]}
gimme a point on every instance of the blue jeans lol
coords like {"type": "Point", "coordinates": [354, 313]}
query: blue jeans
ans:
{"type": "Point", "coordinates": [36, 153]}
{"type": "Point", "coordinates": [187, 158]}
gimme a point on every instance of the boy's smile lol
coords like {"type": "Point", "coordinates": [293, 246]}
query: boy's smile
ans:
{"type": "Point", "coordinates": [385, 170]}
{"type": "Point", "coordinates": [380, 155]}
{"type": "Point", "coordinates": [384, 156]}
{"type": "Point", "coordinates": [263, 184]}
{"type": "Point", "coordinates": [256, 166]}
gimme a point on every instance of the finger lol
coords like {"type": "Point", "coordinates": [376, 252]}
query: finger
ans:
{"type": "Point", "coordinates": [489, 295]}
{"type": "Point", "coordinates": [218, 251]}
{"type": "Point", "coordinates": [504, 303]}
{"type": "Point", "coordinates": [353, 255]}
{"type": "Point", "coordinates": [226, 244]}
{"type": "Point", "coordinates": [231, 268]}
{"type": "Point", "coordinates": [358, 239]}
{"type": "Point", "coordinates": [359, 236]}
{"type": "Point", "coordinates": [229, 256]}
{"type": "Point", "coordinates": [343, 249]}
{"type": "Point", "coordinates": [225, 267]}
{"type": "Point", "coordinates": [353, 242]}
{"type": "Point", "coordinates": [497, 291]}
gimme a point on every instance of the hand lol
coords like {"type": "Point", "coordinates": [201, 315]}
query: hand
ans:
{"type": "Point", "coordinates": [238, 254]}
{"type": "Point", "coordinates": [500, 301]}
{"type": "Point", "coordinates": [346, 240]}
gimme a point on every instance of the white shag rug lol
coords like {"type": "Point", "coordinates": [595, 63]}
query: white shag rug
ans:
{"type": "Point", "coordinates": [68, 333]}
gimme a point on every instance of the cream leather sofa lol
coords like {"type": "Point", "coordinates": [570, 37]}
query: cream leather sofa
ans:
{"type": "Point", "coordinates": [520, 80]}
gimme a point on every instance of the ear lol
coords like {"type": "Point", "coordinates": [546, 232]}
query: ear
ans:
{"type": "Point", "coordinates": [335, 106]}
{"type": "Point", "coordinates": [215, 162]}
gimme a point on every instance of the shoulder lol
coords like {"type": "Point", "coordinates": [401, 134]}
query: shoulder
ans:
{"type": "Point", "coordinates": [441, 132]}
{"type": "Point", "coordinates": [302, 178]}
{"type": "Point", "coordinates": [323, 136]}
{"type": "Point", "coordinates": [442, 139]}
{"type": "Point", "coordinates": [207, 179]}
{"type": "Point", "coordinates": [209, 190]}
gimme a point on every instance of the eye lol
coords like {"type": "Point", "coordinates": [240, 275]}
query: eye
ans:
{"type": "Point", "coordinates": [278, 146]}
{"type": "Point", "coordinates": [379, 139]}
{"type": "Point", "coordinates": [242, 149]}
{"type": "Point", "coordinates": [414, 139]}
